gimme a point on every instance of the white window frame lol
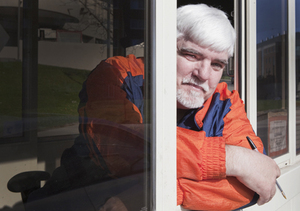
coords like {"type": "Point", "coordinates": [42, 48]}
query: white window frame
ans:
{"type": "Point", "coordinates": [289, 162]}
{"type": "Point", "coordinates": [163, 58]}
{"type": "Point", "coordinates": [251, 77]}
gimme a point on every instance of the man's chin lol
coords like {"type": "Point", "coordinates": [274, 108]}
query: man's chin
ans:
{"type": "Point", "coordinates": [187, 100]}
{"type": "Point", "coordinates": [189, 105]}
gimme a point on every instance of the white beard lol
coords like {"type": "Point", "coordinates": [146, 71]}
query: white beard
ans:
{"type": "Point", "coordinates": [191, 98]}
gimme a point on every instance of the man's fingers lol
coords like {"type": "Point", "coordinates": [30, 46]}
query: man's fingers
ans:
{"type": "Point", "coordinates": [266, 199]}
{"type": "Point", "coordinates": [256, 171]}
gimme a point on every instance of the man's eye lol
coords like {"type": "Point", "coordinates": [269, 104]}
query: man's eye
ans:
{"type": "Point", "coordinates": [218, 66]}
{"type": "Point", "coordinates": [190, 57]}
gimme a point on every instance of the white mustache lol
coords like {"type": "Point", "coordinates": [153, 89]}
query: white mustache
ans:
{"type": "Point", "coordinates": [195, 81]}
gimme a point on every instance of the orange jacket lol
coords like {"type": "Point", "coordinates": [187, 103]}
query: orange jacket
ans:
{"type": "Point", "coordinates": [112, 95]}
{"type": "Point", "coordinates": [201, 172]}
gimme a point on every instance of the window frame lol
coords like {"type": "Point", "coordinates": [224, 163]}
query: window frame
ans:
{"type": "Point", "coordinates": [289, 162]}
{"type": "Point", "coordinates": [251, 84]}
{"type": "Point", "coordinates": [162, 54]}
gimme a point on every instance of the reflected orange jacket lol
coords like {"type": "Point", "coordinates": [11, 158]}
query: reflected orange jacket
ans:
{"type": "Point", "coordinates": [113, 93]}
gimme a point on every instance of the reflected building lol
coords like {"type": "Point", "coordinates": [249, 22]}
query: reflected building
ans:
{"type": "Point", "coordinates": [271, 67]}
{"type": "Point", "coordinates": [107, 27]}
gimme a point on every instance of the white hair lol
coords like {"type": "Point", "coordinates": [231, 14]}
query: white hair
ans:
{"type": "Point", "coordinates": [206, 26]}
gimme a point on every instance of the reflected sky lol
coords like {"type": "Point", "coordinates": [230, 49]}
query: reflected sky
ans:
{"type": "Point", "coordinates": [271, 18]}
{"type": "Point", "coordinates": [298, 15]}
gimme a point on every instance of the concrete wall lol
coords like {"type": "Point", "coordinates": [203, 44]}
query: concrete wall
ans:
{"type": "Point", "coordinates": [74, 55]}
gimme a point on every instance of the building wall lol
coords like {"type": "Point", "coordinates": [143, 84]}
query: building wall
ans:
{"type": "Point", "coordinates": [73, 55]}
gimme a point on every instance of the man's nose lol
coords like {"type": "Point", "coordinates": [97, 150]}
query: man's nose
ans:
{"type": "Point", "coordinates": [202, 70]}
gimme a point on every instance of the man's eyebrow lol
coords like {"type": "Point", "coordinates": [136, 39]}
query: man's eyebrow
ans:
{"type": "Point", "coordinates": [190, 50]}
{"type": "Point", "coordinates": [225, 62]}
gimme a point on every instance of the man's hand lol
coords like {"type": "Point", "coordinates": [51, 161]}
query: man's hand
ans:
{"type": "Point", "coordinates": [113, 204]}
{"type": "Point", "coordinates": [255, 170]}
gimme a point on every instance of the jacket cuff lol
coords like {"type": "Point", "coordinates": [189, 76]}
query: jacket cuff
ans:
{"type": "Point", "coordinates": [214, 158]}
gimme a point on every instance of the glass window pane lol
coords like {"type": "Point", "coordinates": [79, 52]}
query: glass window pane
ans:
{"type": "Point", "coordinates": [11, 98]}
{"type": "Point", "coordinates": [297, 76]}
{"type": "Point", "coordinates": [10, 70]}
{"type": "Point", "coordinates": [272, 76]}
{"type": "Point", "coordinates": [88, 122]}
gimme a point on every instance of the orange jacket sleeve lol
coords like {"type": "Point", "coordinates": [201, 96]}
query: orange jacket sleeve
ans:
{"type": "Point", "coordinates": [201, 167]}
{"type": "Point", "coordinates": [107, 116]}
{"type": "Point", "coordinates": [104, 97]}
{"type": "Point", "coordinates": [201, 180]}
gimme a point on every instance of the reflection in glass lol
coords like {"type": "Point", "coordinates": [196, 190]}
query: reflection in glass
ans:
{"type": "Point", "coordinates": [297, 76]}
{"type": "Point", "coordinates": [272, 76]}
{"type": "Point", "coordinates": [91, 118]}
{"type": "Point", "coordinates": [11, 98]}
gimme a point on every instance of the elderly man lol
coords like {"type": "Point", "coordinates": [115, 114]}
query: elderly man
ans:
{"type": "Point", "coordinates": [211, 143]}
{"type": "Point", "coordinates": [216, 168]}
